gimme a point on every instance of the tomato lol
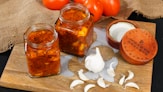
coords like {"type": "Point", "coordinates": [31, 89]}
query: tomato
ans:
{"type": "Point", "coordinates": [110, 7]}
{"type": "Point", "coordinates": [95, 7]}
{"type": "Point", "coordinates": [55, 4]}
{"type": "Point", "coordinates": [79, 1]}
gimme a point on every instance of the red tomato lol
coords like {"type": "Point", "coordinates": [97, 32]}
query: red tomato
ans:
{"type": "Point", "coordinates": [55, 4]}
{"type": "Point", "coordinates": [111, 7]}
{"type": "Point", "coordinates": [95, 7]}
{"type": "Point", "coordinates": [79, 1]}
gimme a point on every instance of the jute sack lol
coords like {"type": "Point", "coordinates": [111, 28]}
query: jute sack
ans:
{"type": "Point", "coordinates": [151, 9]}
{"type": "Point", "coordinates": [17, 15]}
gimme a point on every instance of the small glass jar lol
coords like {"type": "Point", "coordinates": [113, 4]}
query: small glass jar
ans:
{"type": "Point", "coordinates": [75, 29]}
{"type": "Point", "coordinates": [42, 50]}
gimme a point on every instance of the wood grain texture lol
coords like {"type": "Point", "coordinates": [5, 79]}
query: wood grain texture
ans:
{"type": "Point", "coordinates": [15, 73]}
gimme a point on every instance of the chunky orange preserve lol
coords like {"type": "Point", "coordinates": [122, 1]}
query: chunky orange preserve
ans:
{"type": "Point", "coordinates": [43, 54]}
{"type": "Point", "coordinates": [75, 32]}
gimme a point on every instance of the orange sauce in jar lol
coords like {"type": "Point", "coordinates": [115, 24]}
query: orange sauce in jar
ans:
{"type": "Point", "coordinates": [75, 29]}
{"type": "Point", "coordinates": [42, 51]}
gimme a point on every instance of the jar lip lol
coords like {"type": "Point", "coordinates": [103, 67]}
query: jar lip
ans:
{"type": "Point", "coordinates": [75, 6]}
{"type": "Point", "coordinates": [40, 26]}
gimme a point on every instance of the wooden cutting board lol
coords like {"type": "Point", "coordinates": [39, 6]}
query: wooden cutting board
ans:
{"type": "Point", "coordinates": [15, 73]}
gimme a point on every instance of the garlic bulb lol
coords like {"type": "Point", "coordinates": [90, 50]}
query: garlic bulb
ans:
{"type": "Point", "coordinates": [95, 62]}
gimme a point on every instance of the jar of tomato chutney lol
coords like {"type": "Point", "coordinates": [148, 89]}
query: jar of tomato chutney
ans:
{"type": "Point", "coordinates": [42, 50]}
{"type": "Point", "coordinates": [75, 29]}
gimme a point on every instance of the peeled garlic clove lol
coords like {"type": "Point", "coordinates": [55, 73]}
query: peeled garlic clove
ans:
{"type": "Point", "coordinates": [95, 62]}
{"type": "Point", "coordinates": [110, 70]}
{"type": "Point", "coordinates": [122, 79]}
{"type": "Point", "coordinates": [131, 84]}
{"type": "Point", "coordinates": [101, 83]}
{"type": "Point", "coordinates": [82, 76]}
{"type": "Point", "coordinates": [75, 83]}
{"type": "Point", "coordinates": [130, 75]}
{"type": "Point", "coordinates": [89, 86]}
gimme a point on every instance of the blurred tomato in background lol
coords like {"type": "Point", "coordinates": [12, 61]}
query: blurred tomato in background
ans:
{"type": "Point", "coordinates": [94, 6]}
{"type": "Point", "coordinates": [111, 7]}
{"type": "Point", "coordinates": [79, 1]}
{"type": "Point", "coordinates": [55, 4]}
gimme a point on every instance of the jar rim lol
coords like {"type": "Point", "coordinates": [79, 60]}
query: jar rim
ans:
{"type": "Point", "coordinates": [75, 6]}
{"type": "Point", "coordinates": [40, 26]}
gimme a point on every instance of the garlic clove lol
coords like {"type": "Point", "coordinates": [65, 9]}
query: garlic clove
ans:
{"type": "Point", "coordinates": [101, 83]}
{"type": "Point", "coordinates": [110, 70]}
{"type": "Point", "coordinates": [122, 79]}
{"type": "Point", "coordinates": [131, 84]}
{"type": "Point", "coordinates": [130, 75]}
{"type": "Point", "coordinates": [105, 71]}
{"type": "Point", "coordinates": [75, 83]}
{"type": "Point", "coordinates": [82, 76]}
{"type": "Point", "coordinates": [88, 86]}
{"type": "Point", "coordinates": [95, 62]}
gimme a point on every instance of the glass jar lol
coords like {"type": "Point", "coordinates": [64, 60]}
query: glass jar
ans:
{"type": "Point", "coordinates": [75, 29]}
{"type": "Point", "coordinates": [42, 50]}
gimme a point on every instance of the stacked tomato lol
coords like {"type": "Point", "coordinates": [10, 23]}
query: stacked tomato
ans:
{"type": "Point", "coordinates": [96, 7]}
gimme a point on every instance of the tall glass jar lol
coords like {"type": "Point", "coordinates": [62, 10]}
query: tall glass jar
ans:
{"type": "Point", "coordinates": [42, 50]}
{"type": "Point", "coordinates": [75, 29]}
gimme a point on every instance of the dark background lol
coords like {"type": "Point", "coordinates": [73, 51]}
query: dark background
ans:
{"type": "Point", "coordinates": [157, 77]}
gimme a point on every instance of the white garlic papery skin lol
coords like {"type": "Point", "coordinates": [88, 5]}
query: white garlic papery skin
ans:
{"type": "Point", "coordinates": [88, 86]}
{"type": "Point", "coordinates": [110, 70]}
{"type": "Point", "coordinates": [75, 83]}
{"type": "Point", "coordinates": [95, 62]}
{"type": "Point", "coordinates": [131, 84]}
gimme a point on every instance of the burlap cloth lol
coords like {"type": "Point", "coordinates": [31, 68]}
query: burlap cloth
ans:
{"type": "Point", "coordinates": [17, 15]}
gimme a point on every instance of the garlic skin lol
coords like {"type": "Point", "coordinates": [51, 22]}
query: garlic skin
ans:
{"type": "Point", "coordinates": [131, 84]}
{"type": "Point", "coordinates": [95, 62]}
{"type": "Point", "coordinates": [130, 75]}
{"type": "Point", "coordinates": [101, 83]}
{"type": "Point", "coordinates": [110, 70]}
{"type": "Point", "coordinates": [75, 83]}
{"type": "Point", "coordinates": [82, 76]}
{"type": "Point", "coordinates": [88, 86]}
